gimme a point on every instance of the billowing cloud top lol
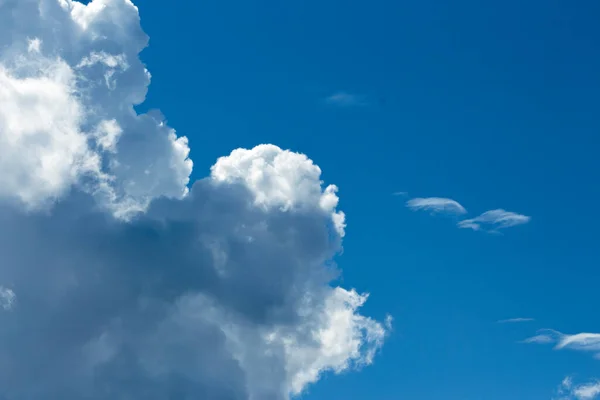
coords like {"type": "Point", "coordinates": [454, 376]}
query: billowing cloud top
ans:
{"type": "Point", "coordinates": [281, 179]}
{"type": "Point", "coordinates": [119, 281]}
{"type": "Point", "coordinates": [70, 76]}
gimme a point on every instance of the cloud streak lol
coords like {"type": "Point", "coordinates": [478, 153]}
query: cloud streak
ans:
{"type": "Point", "coordinates": [345, 99]}
{"type": "Point", "coordinates": [515, 320]}
{"type": "Point", "coordinates": [437, 205]}
{"type": "Point", "coordinates": [120, 279]}
{"type": "Point", "coordinates": [494, 220]}
{"type": "Point", "coordinates": [584, 342]}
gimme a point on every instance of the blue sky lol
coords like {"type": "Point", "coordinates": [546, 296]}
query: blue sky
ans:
{"type": "Point", "coordinates": [492, 105]}
{"type": "Point", "coordinates": [462, 138]}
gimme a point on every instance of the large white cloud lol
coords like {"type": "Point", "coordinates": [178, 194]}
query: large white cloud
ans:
{"type": "Point", "coordinates": [118, 281]}
{"type": "Point", "coordinates": [69, 78]}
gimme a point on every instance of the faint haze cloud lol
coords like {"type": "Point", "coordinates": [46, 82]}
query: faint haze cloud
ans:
{"type": "Point", "coordinates": [515, 320]}
{"type": "Point", "coordinates": [345, 99]}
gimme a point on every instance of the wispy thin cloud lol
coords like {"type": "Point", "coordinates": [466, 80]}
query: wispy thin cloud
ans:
{"type": "Point", "coordinates": [400, 194]}
{"type": "Point", "coordinates": [567, 390]}
{"type": "Point", "coordinates": [580, 342]}
{"type": "Point", "coordinates": [491, 221]}
{"type": "Point", "coordinates": [494, 219]}
{"type": "Point", "coordinates": [345, 99]}
{"type": "Point", "coordinates": [515, 320]}
{"type": "Point", "coordinates": [584, 342]}
{"type": "Point", "coordinates": [436, 205]}
{"type": "Point", "coordinates": [539, 339]}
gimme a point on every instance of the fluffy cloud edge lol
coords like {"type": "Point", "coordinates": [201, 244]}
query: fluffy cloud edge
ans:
{"type": "Point", "coordinates": [568, 390]}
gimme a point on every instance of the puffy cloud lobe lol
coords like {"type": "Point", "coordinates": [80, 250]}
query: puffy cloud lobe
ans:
{"type": "Point", "coordinates": [587, 391]}
{"type": "Point", "coordinates": [569, 391]}
{"type": "Point", "coordinates": [40, 139]}
{"type": "Point", "coordinates": [340, 341]}
{"type": "Point", "coordinates": [69, 78]}
{"type": "Point", "coordinates": [436, 205]}
{"type": "Point", "coordinates": [7, 298]}
{"type": "Point", "coordinates": [280, 179]}
{"type": "Point", "coordinates": [219, 292]}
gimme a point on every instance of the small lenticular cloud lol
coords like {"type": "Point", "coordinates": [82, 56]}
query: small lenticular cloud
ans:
{"type": "Point", "coordinates": [436, 205]}
{"type": "Point", "coordinates": [494, 219]}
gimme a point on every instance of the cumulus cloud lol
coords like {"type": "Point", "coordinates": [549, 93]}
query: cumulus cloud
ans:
{"type": "Point", "coordinates": [515, 320]}
{"type": "Point", "coordinates": [280, 178]}
{"type": "Point", "coordinates": [493, 220]}
{"type": "Point", "coordinates": [585, 342]}
{"type": "Point", "coordinates": [345, 99]}
{"type": "Point", "coordinates": [436, 205]}
{"type": "Point", "coordinates": [119, 280]}
{"type": "Point", "coordinates": [570, 391]}
{"type": "Point", "coordinates": [69, 78]}
{"type": "Point", "coordinates": [587, 391]}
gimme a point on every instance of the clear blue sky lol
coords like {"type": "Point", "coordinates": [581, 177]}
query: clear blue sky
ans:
{"type": "Point", "coordinates": [492, 104]}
